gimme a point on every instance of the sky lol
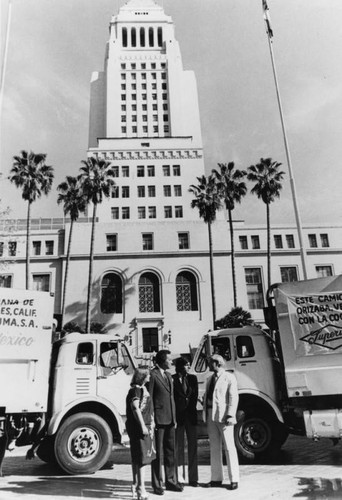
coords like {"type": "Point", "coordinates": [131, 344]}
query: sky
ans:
{"type": "Point", "coordinates": [55, 45]}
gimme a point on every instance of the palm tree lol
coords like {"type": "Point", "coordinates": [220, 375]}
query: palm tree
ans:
{"type": "Point", "coordinates": [30, 173]}
{"type": "Point", "coordinates": [97, 181]}
{"type": "Point", "coordinates": [231, 188]}
{"type": "Point", "coordinates": [74, 203]}
{"type": "Point", "coordinates": [267, 178]}
{"type": "Point", "coordinates": [207, 201]}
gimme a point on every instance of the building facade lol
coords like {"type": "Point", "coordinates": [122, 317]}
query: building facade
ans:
{"type": "Point", "coordinates": [151, 275]}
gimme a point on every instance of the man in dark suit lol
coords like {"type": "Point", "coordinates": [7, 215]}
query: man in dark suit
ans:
{"type": "Point", "coordinates": [186, 395]}
{"type": "Point", "coordinates": [161, 391]}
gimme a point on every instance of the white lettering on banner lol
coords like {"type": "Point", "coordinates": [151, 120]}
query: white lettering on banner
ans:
{"type": "Point", "coordinates": [316, 322]}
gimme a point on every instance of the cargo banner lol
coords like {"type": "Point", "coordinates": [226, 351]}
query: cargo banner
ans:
{"type": "Point", "coordinates": [316, 322]}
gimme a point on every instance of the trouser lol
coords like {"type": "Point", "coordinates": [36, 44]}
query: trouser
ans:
{"type": "Point", "coordinates": [219, 433]}
{"type": "Point", "coordinates": [191, 434]}
{"type": "Point", "coordinates": [165, 448]}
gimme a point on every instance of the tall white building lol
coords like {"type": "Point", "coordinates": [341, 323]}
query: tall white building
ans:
{"type": "Point", "coordinates": [151, 276]}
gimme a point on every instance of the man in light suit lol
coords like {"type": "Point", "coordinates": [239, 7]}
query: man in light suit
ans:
{"type": "Point", "coordinates": [161, 391]}
{"type": "Point", "coordinates": [220, 403]}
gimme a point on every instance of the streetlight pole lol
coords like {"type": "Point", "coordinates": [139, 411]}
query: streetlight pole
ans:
{"type": "Point", "coordinates": [288, 157]}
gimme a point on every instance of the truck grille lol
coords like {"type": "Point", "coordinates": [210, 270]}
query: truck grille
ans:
{"type": "Point", "coordinates": [82, 386]}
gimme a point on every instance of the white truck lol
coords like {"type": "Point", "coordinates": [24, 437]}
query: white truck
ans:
{"type": "Point", "coordinates": [289, 378]}
{"type": "Point", "coordinates": [77, 384]}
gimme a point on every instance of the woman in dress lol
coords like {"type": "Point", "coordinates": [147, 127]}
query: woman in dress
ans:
{"type": "Point", "coordinates": [140, 428]}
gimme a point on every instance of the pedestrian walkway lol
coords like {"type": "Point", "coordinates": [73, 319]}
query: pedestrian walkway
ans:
{"type": "Point", "coordinates": [303, 470]}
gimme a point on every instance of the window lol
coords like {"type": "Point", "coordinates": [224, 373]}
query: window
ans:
{"type": "Point", "coordinates": [141, 191]}
{"type": "Point", "coordinates": [134, 86]}
{"type": "Point", "coordinates": [123, 86]}
{"type": "Point", "coordinates": [166, 128]}
{"type": "Point", "coordinates": [150, 339]}
{"type": "Point", "coordinates": [154, 76]}
{"type": "Point", "coordinates": [111, 293]}
{"type": "Point", "coordinates": [178, 212]}
{"type": "Point", "coordinates": [141, 213]}
{"type": "Point", "coordinates": [186, 292]}
{"type": "Point", "coordinates": [164, 86]}
{"type": "Point", "coordinates": [41, 282]}
{"type": "Point", "coordinates": [124, 37]}
{"type": "Point", "coordinates": [312, 241]}
{"type": "Point", "coordinates": [123, 65]}
{"type": "Point", "coordinates": [143, 86]}
{"type": "Point", "coordinates": [150, 37]}
{"type": "Point", "coordinates": [167, 191]}
{"type": "Point", "coordinates": [133, 75]}
{"type": "Point", "coordinates": [324, 240]}
{"type": "Point", "coordinates": [160, 37]}
{"type": "Point", "coordinates": [134, 97]}
{"type": "Point", "coordinates": [243, 242]}
{"type": "Point", "coordinates": [151, 191]}
{"type": "Point", "coordinates": [178, 190]}
{"type": "Point", "coordinates": [165, 118]}
{"type": "Point", "coordinates": [143, 76]}
{"type": "Point", "coordinates": [163, 75]}
{"type": "Point", "coordinates": [166, 170]}
{"type": "Point", "coordinates": [125, 191]}
{"type": "Point", "coordinates": [123, 76]}
{"type": "Point", "coordinates": [134, 118]}
{"type": "Point", "coordinates": [37, 247]}
{"type": "Point", "coordinates": [323, 271]}
{"type": "Point", "coordinates": [125, 212]}
{"type": "Point", "coordinates": [144, 97]}
{"type": "Point", "coordinates": [290, 241]}
{"type": "Point", "coordinates": [153, 66]}
{"type": "Point", "coordinates": [152, 212]}
{"type": "Point", "coordinates": [85, 353]}
{"type": "Point", "coordinates": [145, 129]}
{"type": "Point", "coordinates": [125, 171]}
{"type": "Point", "coordinates": [5, 281]}
{"type": "Point", "coordinates": [144, 118]}
{"type": "Point", "coordinates": [123, 130]}
{"type": "Point", "coordinates": [150, 171]}
{"type": "Point", "coordinates": [183, 241]}
{"type": "Point", "coordinates": [1, 248]}
{"type": "Point", "coordinates": [278, 241]}
{"type": "Point", "coordinates": [133, 66]}
{"type": "Point", "coordinates": [244, 346]}
{"type": "Point", "coordinates": [164, 97]}
{"type": "Point", "coordinates": [143, 65]}
{"type": "Point", "coordinates": [123, 107]}
{"type": "Point", "coordinates": [155, 129]}
{"type": "Point", "coordinates": [154, 107]}
{"type": "Point", "coordinates": [49, 247]}
{"type": "Point", "coordinates": [176, 170]}
{"type": "Point", "coordinates": [134, 130]}
{"type": "Point", "coordinates": [155, 118]}
{"type": "Point", "coordinates": [165, 106]}
{"type": "Point", "coordinates": [255, 242]}
{"type": "Point", "coordinates": [288, 274]}
{"type": "Point", "coordinates": [254, 288]}
{"type": "Point", "coordinates": [12, 248]}
{"type": "Point", "coordinates": [168, 212]}
{"type": "Point", "coordinates": [115, 192]}
{"type": "Point", "coordinates": [123, 97]}
{"type": "Point", "coordinates": [154, 97]}
{"type": "Point", "coordinates": [144, 107]}
{"type": "Point", "coordinates": [140, 171]}
{"type": "Point", "coordinates": [149, 295]}
{"type": "Point", "coordinates": [147, 240]}
{"type": "Point", "coordinates": [111, 240]}
{"type": "Point", "coordinates": [154, 86]}
{"type": "Point", "coordinates": [114, 212]}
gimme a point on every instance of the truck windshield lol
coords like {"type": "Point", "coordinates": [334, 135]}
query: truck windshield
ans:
{"type": "Point", "coordinates": [115, 355]}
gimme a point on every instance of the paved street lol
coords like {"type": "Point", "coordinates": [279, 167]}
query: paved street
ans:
{"type": "Point", "coordinates": [303, 470]}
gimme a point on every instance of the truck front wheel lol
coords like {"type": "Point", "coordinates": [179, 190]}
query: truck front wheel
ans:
{"type": "Point", "coordinates": [83, 444]}
{"type": "Point", "coordinates": [253, 437]}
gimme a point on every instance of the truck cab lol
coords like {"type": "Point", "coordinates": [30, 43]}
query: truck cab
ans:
{"type": "Point", "coordinates": [250, 354]}
{"type": "Point", "coordinates": [89, 380]}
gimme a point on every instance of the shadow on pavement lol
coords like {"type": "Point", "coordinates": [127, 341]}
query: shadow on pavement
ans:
{"type": "Point", "coordinates": [319, 488]}
{"type": "Point", "coordinates": [80, 486]}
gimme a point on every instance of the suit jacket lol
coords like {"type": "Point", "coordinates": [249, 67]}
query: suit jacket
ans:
{"type": "Point", "coordinates": [225, 398]}
{"type": "Point", "coordinates": [161, 392]}
{"type": "Point", "coordinates": [186, 402]}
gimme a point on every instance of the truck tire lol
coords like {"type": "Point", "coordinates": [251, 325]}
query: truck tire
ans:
{"type": "Point", "coordinates": [254, 437]}
{"type": "Point", "coordinates": [45, 450]}
{"type": "Point", "coordinates": [83, 443]}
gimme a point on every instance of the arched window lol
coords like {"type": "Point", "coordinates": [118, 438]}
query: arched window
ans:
{"type": "Point", "coordinates": [142, 37]}
{"type": "Point", "coordinates": [160, 37]}
{"type": "Point", "coordinates": [149, 296]}
{"type": "Point", "coordinates": [150, 37]}
{"type": "Point", "coordinates": [111, 294]}
{"type": "Point", "coordinates": [133, 37]}
{"type": "Point", "coordinates": [186, 292]}
{"type": "Point", "coordinates": [124, 37]}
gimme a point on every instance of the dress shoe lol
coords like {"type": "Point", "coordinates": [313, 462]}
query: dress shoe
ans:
{"type": "Point", "coordinates": [213, 484]}
{"type": "Point", "coordinates": [174, 487]}
{"type": "Point", "coordinates": [232, 486]}
{"type": "Point", "coordinates": [158, 491]}
{"type": "Point", "coordinates": [194, 484]}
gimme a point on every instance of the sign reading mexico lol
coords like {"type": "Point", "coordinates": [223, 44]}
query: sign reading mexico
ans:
{"type": "Point", "coordinates": [25, 322]}
{"type": "Point", "coordinates": [316, 321]}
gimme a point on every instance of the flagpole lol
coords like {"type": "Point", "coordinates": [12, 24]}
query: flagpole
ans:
{"type": "Point", "coordinates": [288, 157]}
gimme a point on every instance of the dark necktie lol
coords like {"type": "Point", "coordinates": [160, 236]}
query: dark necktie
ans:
{"type": "Point", "coordinates": [211, 387]}
{"type": "Point", "coordinates": [184, 384]}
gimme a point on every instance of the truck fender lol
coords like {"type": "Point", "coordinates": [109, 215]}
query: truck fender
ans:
{"type": "Point", "coordinates": [267, 399]}
{"type": "Point", "coordinates": [57, 418]}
